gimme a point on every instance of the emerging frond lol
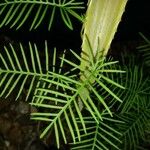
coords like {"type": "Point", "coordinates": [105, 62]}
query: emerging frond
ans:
{"type": "Point", "coordinates": [102, 136]}
{"type": "Point", "coordinates": [16, 13]}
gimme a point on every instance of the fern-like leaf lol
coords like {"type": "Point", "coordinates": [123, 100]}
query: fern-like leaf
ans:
{"type": "Point", "coordinates": [60, 98]}
{"type": "Point", "coordinates": [135, 124]}
{"type": "Point", "coordinates": [17, 13]}
{"type": "Point", "coordinates": [145, 50]}
{"type": "Point", "coordinates": [102, 136]}
{"type": "Point", "coordinates": [20, 70]}
{"type": "Point", "coordinates": [136, 85]}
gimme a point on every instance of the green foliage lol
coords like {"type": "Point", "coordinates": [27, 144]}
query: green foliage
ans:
{"type": "Point", "coordinates": [19, 69]}
{"type": "Point", "coordinates": [16, 13]}
{"type": "Point", "coordinates": [136, 84]}
{"type": "Point", "coordinates": [63, 94]}
{"type": "Point", "coordinates": [135, 124]}
{"type": "Point", "coordinates": [135, 109]}
{"type": "Point", "coordinates": [86, 107]}
{"type": "Point", "coordinates": [100, 135]}
{"type": "Point", "coordinates": [145, 50]}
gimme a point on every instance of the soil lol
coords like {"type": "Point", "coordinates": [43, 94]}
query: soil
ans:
{"type": "Point", "coordinates": [17, 131]}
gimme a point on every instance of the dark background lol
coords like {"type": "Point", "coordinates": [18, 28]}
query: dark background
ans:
{"type": "Point", "coordinates": [135, 19]}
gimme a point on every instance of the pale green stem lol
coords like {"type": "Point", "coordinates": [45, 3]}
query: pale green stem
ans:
{"type": "Point", "coordinates": [101, 22]}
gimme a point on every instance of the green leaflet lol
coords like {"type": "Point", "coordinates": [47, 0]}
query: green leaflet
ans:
{"type": "Point", "coordinates": [37, 11]}
{"type": "Point", "coordinates": [145, 50]}
{"type": "Point", "coordinates": [100, 136]}
{"type": "Point", "coordinates": [19, 70]}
